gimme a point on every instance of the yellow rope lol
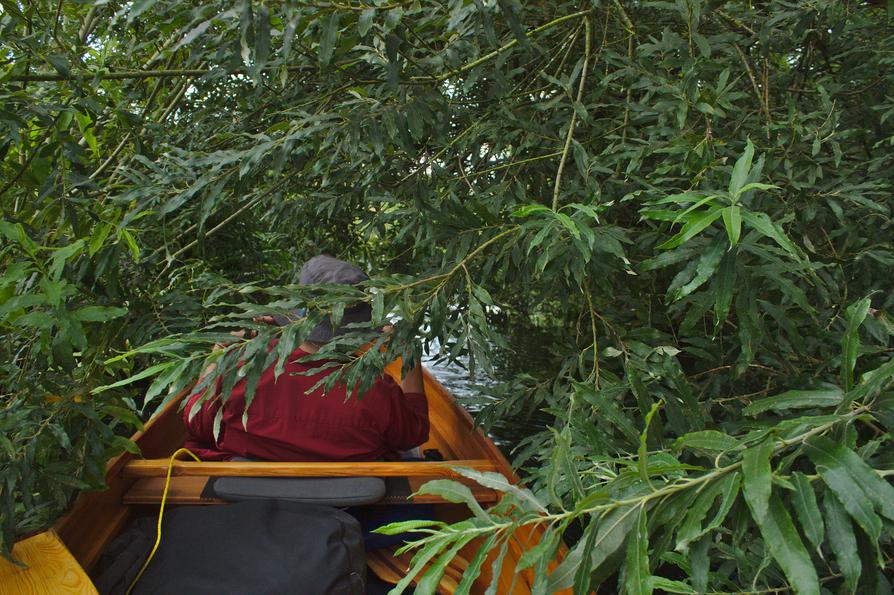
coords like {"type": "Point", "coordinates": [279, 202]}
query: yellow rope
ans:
{"type": "Point", "coordinates": [161, 511]}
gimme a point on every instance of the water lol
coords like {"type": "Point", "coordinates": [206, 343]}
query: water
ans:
{"type": "Point", "coordinates": [471, 391]}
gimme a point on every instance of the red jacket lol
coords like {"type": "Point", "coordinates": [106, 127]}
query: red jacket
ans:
{"type": "Point", "coordinates": [285, 424]}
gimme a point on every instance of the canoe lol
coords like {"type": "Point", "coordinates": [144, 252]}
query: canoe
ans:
{"type": "Point", "coordinates": [135, 485]}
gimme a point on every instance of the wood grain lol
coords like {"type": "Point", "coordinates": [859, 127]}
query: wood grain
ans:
{"type": "Point", "coordinates": [51, 569]}
{"type": "Point", "coordinates": [159, 468]}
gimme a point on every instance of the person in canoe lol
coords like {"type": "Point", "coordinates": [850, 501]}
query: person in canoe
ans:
{"type": "Point", "coordinates": [288, 421]}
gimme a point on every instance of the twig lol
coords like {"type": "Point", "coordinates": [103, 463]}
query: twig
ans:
{"type": "Point", "coordinates": [223, 223]}
{"type": "Point", "coordinates": [137, 74]}
{"type": "Point", "coordinates": [757, 91]}
{"type": "Point", "coordinates": [56, 23]}
{"type": "Point", "coordinates": [580, 94]}
{"type": "Point", "coordinates": [502, 48]}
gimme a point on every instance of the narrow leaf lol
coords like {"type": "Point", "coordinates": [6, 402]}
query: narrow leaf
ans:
{"type": "Point", "coordinates": [692, 228]}
{"type": "Point", "coordinates": [830, 454]}
{"type": "Point", "coordinates": [796, 399]}
{"type": "Point", "coordinates": [842, 541]}
{"type": "Point", "coordinates": [741, 170]}
{"type": "Point", "coordinates": [636, 569]}
{"type": "Point", "coordinates": [757, 479]}
{"type": "Point", "coordinates": [762, 223]}
{"type": "Point", "coordinates": [732, 220]}
{"type": "Point", "coordinates": [850, 341]}
{"type": "Point", "coordinates": [807, 510]}
{"type": "Point", "coordinates": [787, 548]}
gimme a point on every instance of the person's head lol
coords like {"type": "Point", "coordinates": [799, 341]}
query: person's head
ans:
{"type": "Point", "coordinates": [325, 269]}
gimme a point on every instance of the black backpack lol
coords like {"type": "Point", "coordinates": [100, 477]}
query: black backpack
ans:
{"type": "Point", "coordinates": [249, 548]}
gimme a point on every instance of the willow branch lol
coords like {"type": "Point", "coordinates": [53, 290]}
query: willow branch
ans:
{"type": "Point", "coordinates": [137, 74]}
{"type": "Point", "coordinates": [502, 48]}
{"type": "Point", "coordinates": [233, 216]}
{"type": "Point", "coordinates": [580, 95]}
{"type": "Point", "coordinates": [750, 71]}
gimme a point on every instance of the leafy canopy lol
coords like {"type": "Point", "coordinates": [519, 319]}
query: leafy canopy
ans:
{"type": "Point", "coordinates": [693, 198]}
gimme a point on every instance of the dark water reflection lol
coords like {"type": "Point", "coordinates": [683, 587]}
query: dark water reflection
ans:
{"type": "Point", "coordinates": [471, 391]}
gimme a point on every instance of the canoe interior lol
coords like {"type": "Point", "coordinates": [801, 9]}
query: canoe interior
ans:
{"type": "Point", "coordinates": [96, 517]}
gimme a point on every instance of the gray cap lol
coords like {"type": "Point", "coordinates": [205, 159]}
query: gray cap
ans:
{"type": "Point", "coordinates": [328, 269]}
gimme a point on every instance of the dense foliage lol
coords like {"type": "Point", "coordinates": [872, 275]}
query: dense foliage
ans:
{"type": "Point", "coordinates": [693, 198]}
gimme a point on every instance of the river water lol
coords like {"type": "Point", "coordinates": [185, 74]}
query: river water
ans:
{"type": "Point", "coordinates": [471, 391]}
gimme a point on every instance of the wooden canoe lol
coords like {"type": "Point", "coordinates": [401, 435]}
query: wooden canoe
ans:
{"type": "Point", "coordinates": [135, 486]}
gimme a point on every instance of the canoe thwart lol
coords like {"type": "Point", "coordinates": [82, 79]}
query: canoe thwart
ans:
{"type": "Point", "coordinates": [159, 468]}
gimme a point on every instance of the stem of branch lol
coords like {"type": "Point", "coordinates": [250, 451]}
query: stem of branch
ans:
{"type": "Point", "coordinates": [571, 124]}
{"type": "Point", "coordinates": [503, 48]}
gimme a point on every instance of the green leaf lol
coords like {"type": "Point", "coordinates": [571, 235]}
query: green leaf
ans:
{"type": "Point", "coordinates": [707, 265]}
{"type": "Point", "coordinates": [741, 170]}
{"type": "Point", "coordinates": [842, 541]}
{"type": "Point", "coordinates": [545, 548]}
{"type": "Point", "coordinates": [850, 341]}
{"type": "Point", "coordinates": [642, 459]}
{"type": "Point", "coordinates": [455, 492]}
{"type": "Point", "coordinates": [756, 478]}
{"type": "Point", "coordinates": [691, 528]}
{"type": "Point", "coordinates": [731, 485]}
{"type": "Point", "coordinates": [60, 63]}
{"type": "Point", "coordinates": [692, 228]}
{"type": "Point", "coordinates": [710, 440]}
{"type": "Point", "coordinates": [497, 481]}
{"type": "Point", "coordinates": [61, 256]}
{"type": "Point", "coordinates": [408, 526]}
{"type": "Point", "coordinates": [822, 451]}
{"type": "Point", "coordinates": [428, 584]}
{"type": "Point", "coordinates": [757, 186]}
{"type": "Point", "coordinates": [612, 530]}
{"type": "Point", "coordinates": [150, 371]}
{"type": "Point", "coordinates": [473, 570]}
{"type": "Point", "coordinates": [98, 313]}
{"type": "Point", "coordinates": [636, 568]}
{"type": "Point", "coordinates": [832, 468]}
{"type": "Point", "coordinates": [262, 40]}
{"type": "Point", "coordinates": [683, 197]}
{"type": "Point", "coordinates": [787, 549]}
{"type": "Point", "coordinates": [796, 399]}
{"type": "Point", "coordinates": [762, 223]}
{"type": "Point", "coordinates": [365, 21]}
{"type": "Point", "coordinates": [131, 243]}
{"type": "Point", "coordinates": [496, 567]}
{"type": "Point", "coordinates": [122, 443]}
{"type": "Point", "coordinates": [667, 585]}
{"type": "Point", "coordinates": [100, 234]}
{"type": "Point", "coordinates": [327, 38]}
{"type": "Point", "coordinates": [429, 550]}
{"type": "Point", "coordinates": [583, 574]}
{"type": "Point", "coordinates": [124, 414]}
{"type": "Point", "coordinates": [732, 220]}
{"type": "Point", "coordinates": [724, 286]}
{"type": "Point", "coordinates": [568, 223]}
{"type": "Point", "coordinates": [807, 510]}
{"type": "Point", "coordinates": [528, 210]}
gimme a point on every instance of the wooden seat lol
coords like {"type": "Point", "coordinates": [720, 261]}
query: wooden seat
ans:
{"type": "Point", "coordinates": [50, 568]}
{"type": "Point", "coordinates": [188, 489]}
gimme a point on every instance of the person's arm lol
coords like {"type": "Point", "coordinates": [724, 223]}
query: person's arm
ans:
{"type": "Point", "coordinates": [412, 382]}
{"type": "Point", "coordinates": [408, 425]}
{"type": "Point", "coordinates": [200, 423]}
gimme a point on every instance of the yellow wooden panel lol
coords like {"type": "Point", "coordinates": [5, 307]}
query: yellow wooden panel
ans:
{"type": "Point", "coordinates": [51, 569]}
